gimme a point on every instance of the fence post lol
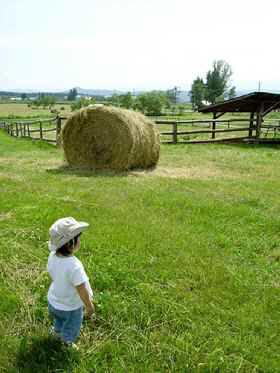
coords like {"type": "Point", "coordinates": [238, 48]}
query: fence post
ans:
{"type": "Point", "coordinates": [28, 130]}
{"type": "Point", "coordinates": [16, 129]}
{"type": "Point", "coordinates": [24, 129]}
{"type": "Point", "coordinates": [214, 126]}
{"type": "Point", "coordinates": [174, 124]}
{"type": "Point", "coordinates": [41, 131]}
{"type": "Point", "coordinates": [58, 130]}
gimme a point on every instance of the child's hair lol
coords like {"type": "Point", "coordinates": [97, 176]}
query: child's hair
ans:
{"type": "Point", "coordinates": [68, 247]}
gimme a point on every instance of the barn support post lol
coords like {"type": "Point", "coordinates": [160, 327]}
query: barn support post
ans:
{"type": "Point", "coordinates": [215, 116]}
{"type": "Point", "coordinates": [251, 124]}
{"type": "Point", "coordinates": [259, 120]}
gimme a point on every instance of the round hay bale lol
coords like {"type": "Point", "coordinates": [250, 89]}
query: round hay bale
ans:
{"type": "Point", "coordinates": [103, 137]}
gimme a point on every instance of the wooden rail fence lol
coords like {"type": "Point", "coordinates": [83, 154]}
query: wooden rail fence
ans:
{"type": "Point", "coordinates": [227, 126]}
{"type": "Point", "coordinates": [35, 129]}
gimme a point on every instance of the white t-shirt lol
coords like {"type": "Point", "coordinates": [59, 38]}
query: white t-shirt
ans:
{"type": "Point", "coordinates": [66, 273]}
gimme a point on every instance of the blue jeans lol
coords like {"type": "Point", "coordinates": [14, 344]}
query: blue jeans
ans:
{"type": "Point", "coordinates": [67, 324]}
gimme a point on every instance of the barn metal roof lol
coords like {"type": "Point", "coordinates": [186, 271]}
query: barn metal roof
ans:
{"type": "Point", "coordinates": [246, 104]}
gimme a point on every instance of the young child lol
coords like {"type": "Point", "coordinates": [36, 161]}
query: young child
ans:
{"type": "Point", "coordinates": [70, 288]}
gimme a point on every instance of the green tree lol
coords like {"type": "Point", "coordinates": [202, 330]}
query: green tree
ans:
{"type": "Point", "coordinates": [173, 95]}
{"type": "Point", "coordinates": [197, 93]}
{"type": "Point", "coordinates": [23, 96]}
{"type": "Point", "coordinates": [49, 101]}
{"type": "Point", "coordinates": [115, 100]}
{"type": "Point", "coordinates": [82, 102]}
{"type": "Point", "coordinates": [151, 103]}
{"type": "Point", "coordinates": [231, 93]}
{"type": "Point", "coordinates": [126, 100]}
{"type": "Point", "coordinates": [217, 81]}
{"type": "Point", "coordinates": [45, 101]}
{"type": "Point", "coordinates": [72, 95]}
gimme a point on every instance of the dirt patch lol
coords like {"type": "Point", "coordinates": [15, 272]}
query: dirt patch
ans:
{"type": "Point", "coordinates": [183, 172]}
{"type": "Point", "coordinates": [5, 216]}
{"type": "Point", "coordinates": [49, 162]}
{"type": "Point", "coordinates": [10, 176]}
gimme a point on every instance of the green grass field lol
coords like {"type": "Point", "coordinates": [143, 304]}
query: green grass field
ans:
{"type": "Point", "coordinates": [184, 260]}
{"type": "Point", "coordinates": [21, 110]}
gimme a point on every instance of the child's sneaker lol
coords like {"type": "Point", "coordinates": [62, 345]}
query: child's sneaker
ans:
{"type": "Point", "coordinates": [71, 345]}
{"type": "Point", "coordinates": [54, 333]}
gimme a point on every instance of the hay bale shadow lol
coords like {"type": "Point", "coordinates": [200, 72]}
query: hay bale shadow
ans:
{"type": "Point", "coordinates": [67, 170]}
{"type": "Point", "coordinates": [45, 354]}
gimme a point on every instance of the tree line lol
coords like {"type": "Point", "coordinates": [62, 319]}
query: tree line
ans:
{"type": "Point", "coordinates": [214, 88]}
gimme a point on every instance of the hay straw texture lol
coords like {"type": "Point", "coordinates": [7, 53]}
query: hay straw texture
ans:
{"type": "Point", "coordinates": [110, 138]}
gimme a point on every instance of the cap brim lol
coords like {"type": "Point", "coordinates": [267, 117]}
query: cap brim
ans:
{"type": "Point", "coordinates": [80, 227]}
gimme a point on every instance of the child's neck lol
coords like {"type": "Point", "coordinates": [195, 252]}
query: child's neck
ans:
{"type": "Point", "coordinates": [64, 256]}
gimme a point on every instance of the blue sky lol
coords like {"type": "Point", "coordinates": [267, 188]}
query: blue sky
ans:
{"type": "Point", "coordinates": [136, 44]}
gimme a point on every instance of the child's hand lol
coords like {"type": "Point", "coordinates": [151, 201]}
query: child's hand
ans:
{"type": "Point", "coordinates": [90, 310]}
{"type": "Point", "coordinates": [92, 320]}
{"type": "Point", "coordinates": [90, 314]}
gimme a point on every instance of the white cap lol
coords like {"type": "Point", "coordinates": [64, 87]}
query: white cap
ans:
{"type": "Point", "coordinates": [63, 230]}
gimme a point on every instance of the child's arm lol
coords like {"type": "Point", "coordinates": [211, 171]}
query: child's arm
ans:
{"type": "Point", "coordinates": [85, 297]}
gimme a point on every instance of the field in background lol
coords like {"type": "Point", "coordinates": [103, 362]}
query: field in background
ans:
{"type": "Point", "coordinates": [184, 260]}
{"type": "Point", "coordinates": [21, 110]}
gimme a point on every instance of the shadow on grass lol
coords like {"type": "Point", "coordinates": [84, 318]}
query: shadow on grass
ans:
{"type": "Point", "coordinates": [66, 170]}
{"type": "Point", "coordinates": [265, 145]}
{"type": "Point", "coordinates": [45, 354]}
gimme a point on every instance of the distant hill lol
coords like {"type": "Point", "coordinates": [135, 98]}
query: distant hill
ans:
{"type": "Point", "coordinates": [183, 96]}
{"type": "Point", "coordinates": [96, 92]}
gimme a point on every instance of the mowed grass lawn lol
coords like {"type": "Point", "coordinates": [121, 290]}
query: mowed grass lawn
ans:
{"type": "Point", "coordinates": [184, 260]}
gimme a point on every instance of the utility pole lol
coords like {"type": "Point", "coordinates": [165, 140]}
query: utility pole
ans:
{"type": "Point", "coordinates": [259, 86]}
